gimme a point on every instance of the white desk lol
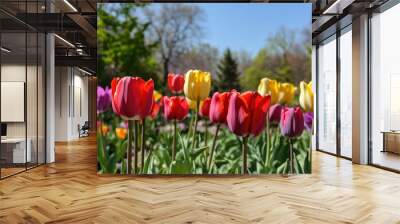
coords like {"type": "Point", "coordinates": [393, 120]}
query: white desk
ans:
{"type": "Point", "coordinates": [17, 145]}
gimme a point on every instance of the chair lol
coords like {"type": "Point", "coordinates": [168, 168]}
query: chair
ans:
{"type": "Point", "coordinates": [84, 130]}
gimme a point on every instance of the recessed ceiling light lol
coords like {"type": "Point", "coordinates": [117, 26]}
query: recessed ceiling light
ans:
{"type": "Point", "coordinates": [84, 71]}
{"type": "Point", "coordinates": [70, 5]}
{"type": "Point", "coordinates": [65, 41]}
{"type": "Point", "coordinates": [5, 50]}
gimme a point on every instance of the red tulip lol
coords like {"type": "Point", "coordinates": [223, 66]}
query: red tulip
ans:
{"type": "Point", "coordinates": [247, 113]}
{"type": "Point", "coordinates": [175, 107]}
{"type": "Point", "coordinates": [176, 82]}
{"type": "Point", "coordinates": [205, 107]}
{"type": "Point", "coordinates": [274, 114]}
{"type": "Point", "coordinates": [114, 84]}
{"type": "Point", "coordinates": [219, 107]}
{"type": "Point", "coordinates": [292, 122]}
{"type": "Point", "coordinates": [154, 110]}
{"type": "Point", "coordinates": [132, 97]}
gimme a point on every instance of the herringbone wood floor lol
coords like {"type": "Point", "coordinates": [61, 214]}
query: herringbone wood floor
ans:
{"type": "Point", "coordinates": [69, 191]}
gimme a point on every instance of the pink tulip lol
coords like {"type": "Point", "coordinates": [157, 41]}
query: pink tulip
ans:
{"type": "Point", "coordinates": [275, 113]}
{"type": "Point", "coordinates": [292, 122]}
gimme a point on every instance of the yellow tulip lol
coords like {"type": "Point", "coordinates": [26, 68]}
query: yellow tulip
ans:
{"type": "Point", "coordinates": [121, 133]}
{"type": "Point", "coordinates": [306, 97]}
{"type": "Point", "coordinates": [104, 129]}
{"type": "Point", "coordinates": [269, 87]}
{"type": "Point", "coordinates": [286, 93]}
{"type": "Point", "coordinates": [197, 85]}
{"type": "Point", "coordinates": [156, 95]}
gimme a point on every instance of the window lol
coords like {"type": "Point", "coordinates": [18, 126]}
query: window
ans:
{"type": "Point", "coordinates": [346, 92]}
{"type": "Point", "coordinates": [385, 88]}
{"type": "Point", "coordinates": [327, 95]}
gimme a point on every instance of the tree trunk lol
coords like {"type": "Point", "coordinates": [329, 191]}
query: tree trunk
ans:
{"type": "Point", "coordinates": [166, 70]}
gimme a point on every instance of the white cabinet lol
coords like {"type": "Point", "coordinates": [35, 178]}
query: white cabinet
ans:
{"type": "Point", "coordinates": [16, 147]}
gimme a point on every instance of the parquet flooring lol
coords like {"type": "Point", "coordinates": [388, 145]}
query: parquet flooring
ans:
{"type": "Point", "coordinates": [70, 191]}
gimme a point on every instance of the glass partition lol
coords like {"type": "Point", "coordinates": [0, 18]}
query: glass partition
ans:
{"type": "Point", "coordinates": [385, 89]}
{"type": "Point", "coordinates": [22, 89]}
{"type": "Point", "coordinates": [327, 95]}
{"type": "Point", "coordinates": [14, 151]}
{"type": "Point", "coordinates": [346, 92]}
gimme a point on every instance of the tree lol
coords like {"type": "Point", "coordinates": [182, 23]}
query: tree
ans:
{"type": "Point", "coordinates": [256, 71]}
{"type": "Point", "coordinates": [244, 60]}
{"type": "Point", "coordinates": [228, 74]}
{"type": "Point", "coordinates": [123, 49]}
{"type": "Point", "coordinates": [284, 58]}
{"type": "Point", "coordinates": [175, 27]}
{"type": "Point", "coordinates": [202, 56]}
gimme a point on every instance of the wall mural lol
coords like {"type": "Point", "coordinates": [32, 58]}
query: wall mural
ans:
{"type": "Point", "coordinates": [178, 94]}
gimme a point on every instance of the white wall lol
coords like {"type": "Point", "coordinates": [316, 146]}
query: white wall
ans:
{"type": "Point", "coordinates": [71, 102]}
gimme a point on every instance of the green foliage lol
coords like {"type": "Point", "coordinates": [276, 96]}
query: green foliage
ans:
{"type": "Point", "coordinates": [258, 70]}
{"type": "Point", "coordinates": [283, 58]}
{"type": "Point", "coordinates": [228, 74]}
{"type": "Point", "coordinates": [123, 49]}
{"type": "Point", "coordinates": [227, 158]}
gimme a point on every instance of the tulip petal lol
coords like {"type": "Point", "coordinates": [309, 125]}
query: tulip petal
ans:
{"type": "Point", "coordinates": [175, 108]}
{"type": "Point", "coordinates": [259, 109]}
{"type": "Point", "coordinates": [292, 122]}
{"type": "Point", "coordinates": [238, 118]}
{"type": "Point", "coordinates": [219, 107]}
{"type": "Point", "coordinates": [114, 84]}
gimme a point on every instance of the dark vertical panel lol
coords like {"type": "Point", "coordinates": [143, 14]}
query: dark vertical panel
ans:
{"type": "Point", "coordinates": [317, 96]}
{"type": "Point", "coordinates": [369, 96]}
{"type": "Point", "coordinates": [37, 91]}
{"type": "Point", "coordinates": [46, 3]}
{"type": "Point", "coordinates": [25, 89]}
{"type": "Point", "coordinates": [338, 73]}
{"type": "Point", "coordinates": [1, 165]}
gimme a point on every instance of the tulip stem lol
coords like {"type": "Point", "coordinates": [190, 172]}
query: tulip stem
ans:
{"type": "Point", "coordinates": [196, 119]}
{"type": "Point", "coordinates": [101, 132]}
{"type": "Point", "coordinates": [268, 135]}
{"type": "Point", "coordinates": [174, 142]}
{"type": "Point", "coordinates": [142, 146]}
{"type": "Point", "coordinates": [129, 148]}
{"type": "Point", "coordinates": [190, 126]}
{"type": "Point", "coordinates": [190, 130]}
{"type": "Point", "coordinates": [206, 133]}
{"type": "Point", "coordinates": [136, 146]}
{"type": "Point", "coordinates": [213, 148]}
{"type": "Point", "coordinates": [291, 156]}
{"type": "Point", "coordinates": [244, 146]}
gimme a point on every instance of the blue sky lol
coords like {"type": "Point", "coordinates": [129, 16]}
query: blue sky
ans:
{"type": "Point", "coordinates": [247, 26]}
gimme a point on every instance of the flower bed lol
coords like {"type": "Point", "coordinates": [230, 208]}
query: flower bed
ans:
{"type": "Point", "coordinates": [188, 132]}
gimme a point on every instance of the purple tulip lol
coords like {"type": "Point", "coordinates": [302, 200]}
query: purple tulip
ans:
{"type": "Point", "coordinates": [308, 120]}
{"type": "Point", "coordinates": [292, 122]}
{"type": "Point", "coordinates": [103, 99]}
{"type": "Point", "coordinates": [275, 113]}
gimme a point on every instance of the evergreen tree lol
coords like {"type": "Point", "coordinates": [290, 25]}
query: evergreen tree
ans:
{"type": "Point", "coordinates": [228, 73]}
